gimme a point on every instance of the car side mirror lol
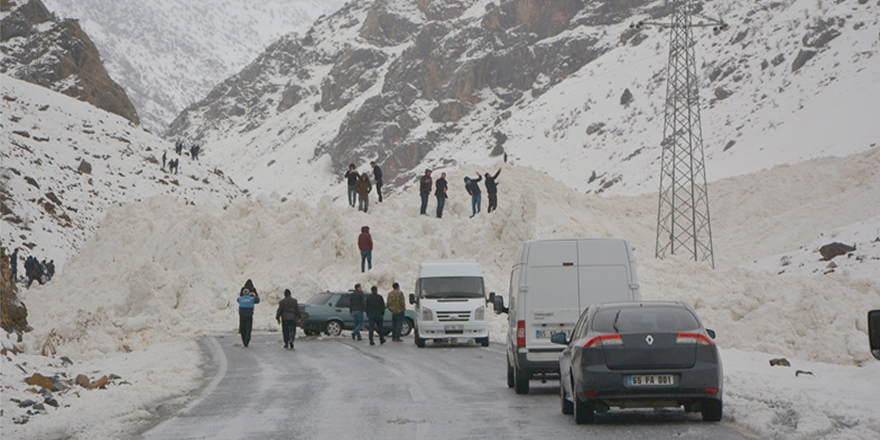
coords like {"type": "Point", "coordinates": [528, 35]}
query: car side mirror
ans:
{"type": "Point", "coordinates": [874, 332]}
{"type": "Point", "coordinates": [498, 305]}
{"type": "Point", "coordinates": [711, 333]}
{"type": "Point", "coordinates": [412, 298]}
{"type": "Point", "coordinates": [559, 338]}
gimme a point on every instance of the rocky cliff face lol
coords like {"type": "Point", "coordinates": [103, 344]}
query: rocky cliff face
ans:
{"type": "Point", "coordinates": [57, 55]}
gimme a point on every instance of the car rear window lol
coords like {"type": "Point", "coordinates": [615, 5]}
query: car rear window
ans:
{"type": "Point", "coordinates": [319, 299]}
{"type": "Point", "coordinates": [647, 319]}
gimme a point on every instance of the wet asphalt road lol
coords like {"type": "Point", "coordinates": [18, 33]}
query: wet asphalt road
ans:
{"type": "Point", "coordinates": [339, 389]}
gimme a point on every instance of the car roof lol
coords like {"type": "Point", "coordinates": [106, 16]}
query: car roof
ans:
{"type": "Point", "coordinates": [636, 304]}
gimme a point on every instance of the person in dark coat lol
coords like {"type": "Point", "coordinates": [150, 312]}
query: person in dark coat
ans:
{"type": "Point", "coordinates": [492, 190]}
{"type": "Point", "coordinates": [440, 193]}
{"type": "Point", "coordinates": [375, 314]}
{"type": "Point", "coordinates": [356, 309]}
{"type": "Point", "coordinates": [50, 269]}
{"type": "Point", "coordinates": [425, 183]}
{"type": "Point", "coordinates": [363, 188]}
{"type": "Point", "coordinates": [247, 298]}
{"type": "Point", "coordinates": [365, 244]}
{"type": "Point", "coordinates": [377, 178]}
{"type": "Point", "coordinates": [13, 262]}
{"type": "Point", "coordinates": [472, 187]}
{"type": "Point", "coordinates": [352, 176]}
{"type": "Point", "coordinates": [288, 316]}
{"type": "Point", "coordinates": [164, 158]}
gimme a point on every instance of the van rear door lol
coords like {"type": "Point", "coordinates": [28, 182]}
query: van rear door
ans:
{"type": "Point", "coordinates": [551, 300]}
{"type": "Point", "coordinates": [604, 272]}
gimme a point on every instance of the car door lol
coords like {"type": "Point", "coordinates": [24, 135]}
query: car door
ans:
{"type": "Point", "coordinates": [340, 306]}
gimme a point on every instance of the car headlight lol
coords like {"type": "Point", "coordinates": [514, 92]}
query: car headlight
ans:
{"type": "Point", "coordinates": [427, 315]}
{"type": "Point", "coordinates": [480, 314]}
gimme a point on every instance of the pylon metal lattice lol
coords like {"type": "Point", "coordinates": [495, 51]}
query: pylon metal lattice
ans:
{"type": "Point", "coordinates": [683, 221]}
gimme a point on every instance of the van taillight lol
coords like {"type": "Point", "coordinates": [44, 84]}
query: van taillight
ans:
{"type": "Point", "coordinates": [568, 264]}
{"type": "Point", "coordinates": [520, 333]}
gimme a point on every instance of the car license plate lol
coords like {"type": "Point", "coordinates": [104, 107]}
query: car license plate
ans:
{"type": "Point", "coordinates": [454, 328]}
{"type": "Point", "coordinates": [648, 380]}
{"type": "Point", "coordinates": [543, 334]}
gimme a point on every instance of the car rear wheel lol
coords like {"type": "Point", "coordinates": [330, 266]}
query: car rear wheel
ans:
{"type": "Point", "coordinates": [711, 410]}
{"type": "Point", "coordinates": [583, 411]}
{"type": "Point", "coordinates": [420, 342]}
{"type": "Point", "coordinates": [567, 407]}
{"type": "Point", "coordinates": [510, 382]}
{"type": "Point", "coordinates": [406, 327]}
{"type": "Point", "coordinates": [520, 381]}
{"type": "Point", "coordinates": [333, 328]}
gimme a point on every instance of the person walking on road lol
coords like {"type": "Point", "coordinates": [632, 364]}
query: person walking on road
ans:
{"type": "Point", "coordinates": [377, 178]}
{"type": "Point", "coordinates": [440, 193]}
{"type": "Point", "coordinates": [472, 187]}
{"type": "Point", "coordinates": [492, 190]}
{"type": "Point", "coordinates": [247, 298]}
{"type": "Point", "coordinates": [288, 316]}
{"type": "Point", "coordinates": [352, 176]}
{"type": "Point", "coordinates": [397, 307]}
{"type": "Point", "coordinates": [425, 183]}
{"type": "Point", "coordinates": [363, 188]}
{"type": "Point", "coordinates": [365, 244]}
{"type": "Point", "coordinates": [375, 314]}
{"type": "Point", "coordinates": [356, 309]}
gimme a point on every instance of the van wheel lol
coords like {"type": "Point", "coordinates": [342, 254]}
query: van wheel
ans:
{"type": "Point", "coordinates": [520, 381]}
{"type": "Point", "coordinates": [583, 411]}
{"type": "Point", "coordinates": [483, 341]}
{"type": "Point", "coordinates": [420, 342]}
{"type": "Point", "coordinates": [711, 410]}
{"type": "Point", "coordinates": [509, 375]}
{"type": "Point", "coordinates": [567, 407]}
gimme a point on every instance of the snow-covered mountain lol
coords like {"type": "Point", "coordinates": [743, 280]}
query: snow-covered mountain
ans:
{"type": "Point", "coordinates": [167, 54]}
{"type": "Point", "coordinates": [65, 163]}
{"type": "Point", "coordinates": [438, 83]}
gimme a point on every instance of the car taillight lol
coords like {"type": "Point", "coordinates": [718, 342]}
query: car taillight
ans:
{"type": "Point", "coordinates": [711, 390]}
{"type": "Point", "coordinates": [604, 341]}
{"type": "Point", "coordinates": [520, 333]}
{"type": "Point", "coordinates": [693, 338]}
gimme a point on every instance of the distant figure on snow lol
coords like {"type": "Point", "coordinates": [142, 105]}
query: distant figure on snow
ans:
{"type": "Point", "coordinates": [164, 158]}
{"type": "Point", "coordinates": [440, 193]}
{"type": "Point", "coordinates": [288, 315]}
{"type": "Point", "coordinates": [492, 190]}
{"type": "Point", "coordinates": [13, 262]}
{"type": "Point", "coordinates": [473, 188]}
{"type": "Point", "coordinates": [363, 188]}
{"type": "Point", "coordinates": [247, 298]}
{"type": "Point", "coordinates": [377, 177]}
{"type": "Point", "coordinates": [365, 244]}
{"type": "Point", "coordinates": [352, 176]}
{"type": "Point", "coordinates": [425, 183]}
{"type": "Point", "coordinates": [50, 269]}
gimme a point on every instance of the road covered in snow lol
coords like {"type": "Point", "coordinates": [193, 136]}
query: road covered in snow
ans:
{"type": "Point", "coordinates": [332, 388]}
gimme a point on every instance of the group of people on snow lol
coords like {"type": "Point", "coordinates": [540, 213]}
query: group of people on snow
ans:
{"type": "Point", "coordinates": [34, 269]}
{"type": "Point", "coordinates": [360, 186]}
{"type": "Point", "coordinates": [179, 146]}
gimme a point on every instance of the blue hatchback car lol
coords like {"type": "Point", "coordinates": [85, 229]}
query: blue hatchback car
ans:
{"type": "Point", "coordinates": [328, 313]}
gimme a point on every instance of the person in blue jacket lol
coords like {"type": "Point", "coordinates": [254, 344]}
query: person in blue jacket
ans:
{"type": "Point", "coordinates": [247, 298]}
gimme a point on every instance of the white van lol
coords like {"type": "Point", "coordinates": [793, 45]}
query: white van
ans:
{"type": "Point", "coordinates": [551, 283]}
{"type": "Point", "coordinates": [450, 302]}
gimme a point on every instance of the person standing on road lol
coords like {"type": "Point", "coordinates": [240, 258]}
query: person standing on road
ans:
{"type": "Point", "coordinates": [356, 309]}
{"type": "Point", "coordinates": [472, 187]}
{"type": "Point", "coordinates": [397, 307]}
{"type": "Point", "coordinates": [288, 316]}
{"type": "Point", "coordinates": [440, 193]}
{"type": "Point", "coordinates": [425, 183]}
{"type": "Point", "coordinates": [352, 176]}
{"type": "Point", "coordinates": [363, 188]}
{"type": "Point", "coordinates": [247, 298]}
{"type": "Point", "coordinates": [377, 177]}
{"type": "Point", "coordinates": [375, 314]}
{"type": "Point", "coordinates": [365, 244]}
{"type": "Point", "coordinates": [492, 190]}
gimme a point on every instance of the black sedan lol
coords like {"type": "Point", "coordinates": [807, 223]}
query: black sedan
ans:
{"type": "Point", "coordinates": [639, 355]}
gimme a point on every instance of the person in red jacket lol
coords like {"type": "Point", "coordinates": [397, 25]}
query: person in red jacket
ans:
{"type": "Point", "coordinates": [365, 244]}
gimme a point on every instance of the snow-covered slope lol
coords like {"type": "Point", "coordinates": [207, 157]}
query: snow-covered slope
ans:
{"type": "Point", "coordinates": [167, 54]}
{"type": "Point", "coordinates": [51, 205]}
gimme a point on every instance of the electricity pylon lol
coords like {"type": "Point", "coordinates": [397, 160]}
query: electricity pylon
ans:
{"type": "Point", "coordinates": [683, 224]}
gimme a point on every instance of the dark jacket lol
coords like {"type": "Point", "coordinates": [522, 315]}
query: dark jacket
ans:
{"type": "Point", "coordinates": [363, 185]}
{"type": "Point", "coordinates": [472, 188]}
{"type": "Point", "coordinates": [441, 187]}
{"type": "Point", "coordinates": [375, 305]}
{"type": "Point", "coordinates": [247, 298]}
{"type": "Point", "coordinates": [377, 174]}
{"type": "Point", "coordinates": [288, 309]}
{"type": "Point", "coordinates": [491, 186]}
{"type": "Point", "coordinates": [425, 184]}
{"type": "Point", "coordinates": [365, 241]}
{"type": "Point", "coordinates": [352, 177]}
{"type": "Point", "coordinates": [358, 303]}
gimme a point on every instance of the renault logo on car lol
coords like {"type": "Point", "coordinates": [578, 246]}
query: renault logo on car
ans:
{"type": "Point", "coordinates": [650, 340]}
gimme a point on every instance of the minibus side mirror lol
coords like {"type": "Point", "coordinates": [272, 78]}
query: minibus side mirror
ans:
{"type": "Point", "coordinates": [874, 332]}
{"type": "Point", "coordinates": [412, 298]}
{"type": "Point", "coordinates": [498, 305]}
